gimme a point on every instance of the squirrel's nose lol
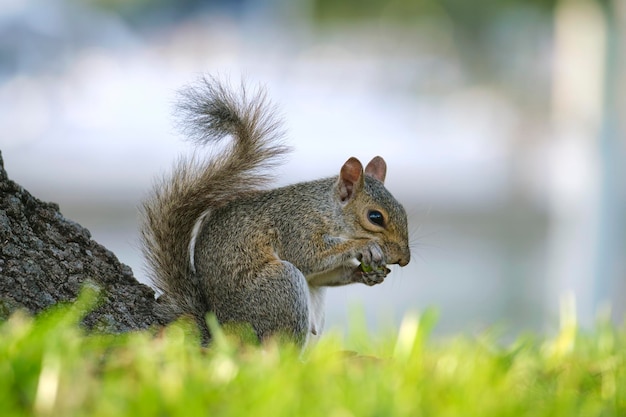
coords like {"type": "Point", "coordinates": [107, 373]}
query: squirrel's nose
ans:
{"type": "Point", "coordinates": [405, 258]}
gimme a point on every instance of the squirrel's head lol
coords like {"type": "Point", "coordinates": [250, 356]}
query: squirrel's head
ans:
{"type": "Point", "coordinates": [379, 215]}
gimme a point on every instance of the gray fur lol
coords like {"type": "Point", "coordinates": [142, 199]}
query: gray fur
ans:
{"type": "Point", "coordinates": [262, 256]}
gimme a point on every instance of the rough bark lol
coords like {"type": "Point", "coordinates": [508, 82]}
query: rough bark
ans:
{"type": "Point", "coordinates": [46, 259]}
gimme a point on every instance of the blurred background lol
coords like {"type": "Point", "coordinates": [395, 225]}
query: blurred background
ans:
{"type": "Point", "coordinates": [501, 122]}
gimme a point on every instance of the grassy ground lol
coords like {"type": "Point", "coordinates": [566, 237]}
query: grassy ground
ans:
{"type": "Point", "coordinates": [49, 367]}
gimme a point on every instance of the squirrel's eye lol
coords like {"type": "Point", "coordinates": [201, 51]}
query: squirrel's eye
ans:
{"type": "Point", "coordinates": [376, 217]}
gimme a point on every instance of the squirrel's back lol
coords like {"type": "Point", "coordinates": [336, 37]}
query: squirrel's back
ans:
{"type": "Point", "coordinates": [172, 212]}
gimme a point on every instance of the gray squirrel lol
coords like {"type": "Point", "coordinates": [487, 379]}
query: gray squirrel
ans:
{"type": "Point", "coordinates": [217, 240]}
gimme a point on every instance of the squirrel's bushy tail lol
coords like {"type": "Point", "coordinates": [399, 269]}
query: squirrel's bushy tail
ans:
{"type": "Point", "coordinates": [209, 111]}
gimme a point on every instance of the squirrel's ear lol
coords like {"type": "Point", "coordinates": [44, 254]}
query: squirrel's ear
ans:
{"type": "Point", "coordinates": [377, 168]}
{"type": "Point", "coordinates": [350, 179]}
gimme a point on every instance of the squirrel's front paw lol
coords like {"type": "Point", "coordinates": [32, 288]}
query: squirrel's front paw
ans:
{"type": "Point", "coordinates": [369, 276]}
{"type": "Point", "coordinates": [372, 269]}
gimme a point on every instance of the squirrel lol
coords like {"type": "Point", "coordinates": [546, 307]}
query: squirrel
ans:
{"type": "Point", "coordinates": [217, 240]}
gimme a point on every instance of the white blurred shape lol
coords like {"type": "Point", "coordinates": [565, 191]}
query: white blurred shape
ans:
{"type": "Point", "coordinates": [574, 172]}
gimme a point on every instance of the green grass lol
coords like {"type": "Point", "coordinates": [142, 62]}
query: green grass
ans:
{"type": "Point", "coordinates": [50, 367]}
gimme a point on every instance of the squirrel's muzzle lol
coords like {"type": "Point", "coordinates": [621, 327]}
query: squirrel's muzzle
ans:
{"type": "Point", "coordinates": [404, 257]}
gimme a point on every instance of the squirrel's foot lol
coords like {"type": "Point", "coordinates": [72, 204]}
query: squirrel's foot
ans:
{"type": "Point", "coordinates": [373, 268]}
{"type": "Point", "coordinates": [372, 255]}
{"type": "Point", "coordinates": [372, 277]}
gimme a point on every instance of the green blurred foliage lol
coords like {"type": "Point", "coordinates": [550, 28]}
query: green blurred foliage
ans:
{"type": "Point", "coordinates": [471, 15]}
{"type": "Point", "coordinates": [151, 12]}
{"type": "Point", "coordinates": [50, 367]}
{"type": "Point", "coordinates": [501, 42]}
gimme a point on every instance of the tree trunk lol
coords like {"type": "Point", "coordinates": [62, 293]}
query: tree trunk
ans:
{"type": "Point", "coordinates": [46, 259]}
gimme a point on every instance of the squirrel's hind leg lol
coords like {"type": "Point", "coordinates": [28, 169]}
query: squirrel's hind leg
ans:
{"type": "Point", "coordinates": [276, 303]}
